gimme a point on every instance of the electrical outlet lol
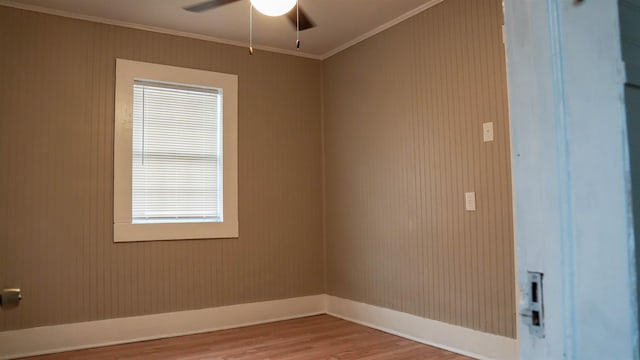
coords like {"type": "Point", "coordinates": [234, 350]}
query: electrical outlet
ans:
{"type": "Point", "coordinates": [470, 201]}
{"type": "Point", "coordinates": [487, 131]}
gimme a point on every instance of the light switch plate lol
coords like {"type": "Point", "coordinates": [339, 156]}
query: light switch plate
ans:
{"type": "Point", "coordinates": [487, 131]}
{"type": "Point", "coordinates": [470, 201]}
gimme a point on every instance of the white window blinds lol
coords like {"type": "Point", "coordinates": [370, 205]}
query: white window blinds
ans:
{"type": "Point", "coordinates": [176, 154]}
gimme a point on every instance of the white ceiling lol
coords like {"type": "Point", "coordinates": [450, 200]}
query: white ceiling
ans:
{"type": "Point", "coordinates": [339, 23]}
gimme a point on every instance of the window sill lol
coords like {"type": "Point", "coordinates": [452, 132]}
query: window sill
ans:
{"type": "Point", "coordinates": [124, 232]}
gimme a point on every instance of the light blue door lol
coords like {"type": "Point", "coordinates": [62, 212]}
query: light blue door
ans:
{"type": "Point", "coordinates": [632, 98]}
{"type": "Point", "coordinates": [630, 39]}
{"type": "Point", "coordinates": [569, 108]}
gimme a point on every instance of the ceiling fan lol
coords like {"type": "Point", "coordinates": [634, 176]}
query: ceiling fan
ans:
{"type": "Point", "coordinates": [296, 16]}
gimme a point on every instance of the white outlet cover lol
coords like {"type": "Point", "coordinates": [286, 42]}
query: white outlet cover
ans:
{"type": "Point", "coordinates": [470, 201]}
{"type": "Point", "coordinates": [487, 131]}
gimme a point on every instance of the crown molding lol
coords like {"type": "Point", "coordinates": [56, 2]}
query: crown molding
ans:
{"type": "Point", "coordinates": [156, 29]}
{"type": "Point", "coordinates": [381, 28]}
{"type": "Point", "coordinates": [162, 30]}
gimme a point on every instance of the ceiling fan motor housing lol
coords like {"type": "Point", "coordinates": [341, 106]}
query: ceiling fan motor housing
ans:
{"type": "Point", "coordinates": [273, 7]}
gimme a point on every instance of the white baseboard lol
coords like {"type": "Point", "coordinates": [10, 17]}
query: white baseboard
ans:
{"type": "Point", "coordinates": [58, 338]}
{"type": "Point", "coordinates": [457, 339]}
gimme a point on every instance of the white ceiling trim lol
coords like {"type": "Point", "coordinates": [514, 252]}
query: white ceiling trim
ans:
{"type": "Point", "coordinates": [161, 30]}
{"type": "Point", "coordinates": [381, 28]}
{"type": "Point", "coordinates": [151, 28]}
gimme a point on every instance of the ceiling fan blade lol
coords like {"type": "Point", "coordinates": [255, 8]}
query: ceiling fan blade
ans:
{"type": "Point", "coordinates": [203, 6]}
{"type": "Point", "coordinates": [305, 21]}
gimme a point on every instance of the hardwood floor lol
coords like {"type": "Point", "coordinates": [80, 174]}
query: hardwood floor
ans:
{"type": "Point", "coordinates": [312, 338]}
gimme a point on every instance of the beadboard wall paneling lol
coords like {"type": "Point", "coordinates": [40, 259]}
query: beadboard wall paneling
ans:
{"type": "Point", "coordinates": [56, 183]}
{"type": "Point", "coordinates": [403, 114]}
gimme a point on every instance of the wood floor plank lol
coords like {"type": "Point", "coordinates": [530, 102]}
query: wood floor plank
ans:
{"type": "Point", "coordinates": [321, 337]}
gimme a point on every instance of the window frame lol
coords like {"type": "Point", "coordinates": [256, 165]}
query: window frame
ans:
{"type": "Point", "coordinates": [123, 229]}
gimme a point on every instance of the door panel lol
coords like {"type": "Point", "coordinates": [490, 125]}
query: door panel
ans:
{"type": "Point", "coordinates": [571, 178]}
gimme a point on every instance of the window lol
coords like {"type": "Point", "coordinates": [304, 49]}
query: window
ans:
{"type": "Point", "coordinates": [175, 153]}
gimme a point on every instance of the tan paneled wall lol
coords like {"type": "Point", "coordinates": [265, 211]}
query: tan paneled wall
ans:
{"type": "Point", "coordinates": [57, 80]}
{"type": "Point", "coordinates": [403, 114]}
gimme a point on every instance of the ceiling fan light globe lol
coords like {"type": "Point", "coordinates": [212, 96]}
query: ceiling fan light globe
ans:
{"type": "Point", "coordinates": [274, 7]}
